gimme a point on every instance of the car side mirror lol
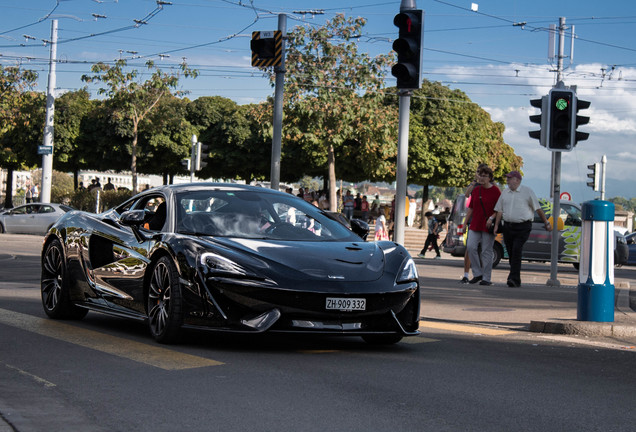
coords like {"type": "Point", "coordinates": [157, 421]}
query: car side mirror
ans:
{"type": "Point", "coordinates": [133, 218]}
{"type": "Point", "coordinates": [360, 227]}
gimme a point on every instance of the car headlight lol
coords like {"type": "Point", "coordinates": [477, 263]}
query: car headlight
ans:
{"type": "Point", "coordinates": [219, 264]}
{"type": "Point", "coordinates": [408, 272]}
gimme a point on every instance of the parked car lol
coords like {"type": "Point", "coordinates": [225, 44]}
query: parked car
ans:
{"type": "Point", "coordinates": [34, 218]}
{"type": "Point", "coordinates": [539, 244]}
{"type": "Point", "coordinates": [630, 239]}
{"type": "Point", "coordinates": [226, 257]}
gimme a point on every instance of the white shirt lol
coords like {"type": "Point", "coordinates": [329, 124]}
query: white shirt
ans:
{"type": "Point", "coordinates": [518, 205]}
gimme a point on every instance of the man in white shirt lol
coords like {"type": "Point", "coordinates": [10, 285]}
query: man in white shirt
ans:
{"type": "Point", "coordinates": [516, 207]}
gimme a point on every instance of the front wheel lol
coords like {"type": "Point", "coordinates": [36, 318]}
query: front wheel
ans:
{"type": "Point", "coordinates": [164, 303]}
{"type": "Point", "coordinates": [55, 285]}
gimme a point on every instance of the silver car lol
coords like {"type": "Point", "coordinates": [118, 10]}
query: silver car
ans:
{"type": "Point", "coordinates": [34, 218]}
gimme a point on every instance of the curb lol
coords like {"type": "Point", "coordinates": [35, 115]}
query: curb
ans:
{"type": "Point", "coordinates": [589, 328]}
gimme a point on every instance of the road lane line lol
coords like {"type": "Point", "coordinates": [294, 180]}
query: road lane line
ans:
{"type": "Point", "coordinates": [36, 378]}
{"type": "Point", "coordinates": [464, 328]}
{"type": "Point", "coordinates": [140, 352]}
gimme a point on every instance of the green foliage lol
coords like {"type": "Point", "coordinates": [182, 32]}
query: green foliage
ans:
{"type": "Point", "coordinates": [450, 135]}
{"type": "Point", "coordinates": [131, 98]}
{"type": "Point", "coordinates": [61, 187]}
{"type": "Point", "coordinates": [239, 147]}
{"type": "Point", "coordinates": [87, 200]}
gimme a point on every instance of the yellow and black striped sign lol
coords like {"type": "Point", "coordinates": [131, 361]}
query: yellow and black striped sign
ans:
{"type": "Point", "coordinates": [267, 48]}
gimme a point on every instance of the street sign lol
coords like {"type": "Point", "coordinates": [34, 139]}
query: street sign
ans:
{"type": "Point", "coordinates": [566, 196]}
{"type": "Point", "coordinates": [267, 48]}
{"type": "Point", "coordinates": [45, 150]}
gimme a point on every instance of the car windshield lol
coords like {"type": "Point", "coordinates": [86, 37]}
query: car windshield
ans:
{"type": "Point", "coordinates": [251, 214]}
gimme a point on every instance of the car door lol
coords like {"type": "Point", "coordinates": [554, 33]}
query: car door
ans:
{"type": "Point", "coordinates": [44, 218]}
{"type": "Point", "coordinates": [119, 259]}
{"type": "Point", "coordinates": [538, 246]}
{"type": "Point", "coordinates": [20, 220]}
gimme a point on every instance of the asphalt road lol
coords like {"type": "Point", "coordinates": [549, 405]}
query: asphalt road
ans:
{"type": "Point", "coordinates": [107, 374]}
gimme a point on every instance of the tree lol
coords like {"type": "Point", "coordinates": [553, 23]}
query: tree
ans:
{"type": "Point", "coordinates": [70, 110]}
{"type": "Point", "coordinates": [166, 137]}
{"type": "Point", "coordinates": [16, 87]}
{"type": "Point", "coordinates": [332, 94]}
{"type": "Point", "coordinates": [449, 136]}
{"type": "Point", "coordinates": [239, 144]}
{"type": "Point", "coordinates": [132, 99]}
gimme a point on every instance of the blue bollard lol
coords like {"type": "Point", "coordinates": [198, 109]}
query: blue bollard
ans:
{"type": "Point", "coordinates": [596, 263]}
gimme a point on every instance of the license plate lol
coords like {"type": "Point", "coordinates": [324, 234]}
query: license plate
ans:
{"type": "Point", "coordinates": [346, 304]}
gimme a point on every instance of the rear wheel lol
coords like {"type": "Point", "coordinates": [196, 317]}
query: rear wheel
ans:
{"type": "Point", "coordinates": [497, 253]}
{"type": "Point", "coordinates": [164, 302]}
{"type": "Point", "coordinates": [55, 285]}
{"type": "Point", "coordinates": [382, 339]}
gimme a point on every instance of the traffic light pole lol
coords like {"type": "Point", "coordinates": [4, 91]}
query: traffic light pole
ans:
{"type": "Point", "coordinates": [402, 165]}
{"type": "Point", "coordinates": [278, 110]}
{"type": "Point", "coordinates": [556, 174]}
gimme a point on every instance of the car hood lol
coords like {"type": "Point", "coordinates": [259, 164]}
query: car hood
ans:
{"type": "Point", "coordinates": [328, 261]}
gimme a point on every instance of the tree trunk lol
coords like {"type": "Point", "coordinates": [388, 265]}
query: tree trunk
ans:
{"type": "Point", "coordinates": [8, 198]}
{"type": "Point", "coordinates": [331, 161]}
{"type": "Point", "coordinates": [424, 209]}
{"type": "Point", "coordinates": [75, 179]}
{"type": "Point", "coordinates": [133, 162]}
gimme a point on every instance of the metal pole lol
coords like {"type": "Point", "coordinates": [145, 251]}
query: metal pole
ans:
{"type": "Point", "coordinates": [604, 164]}
{"type": "Point", "coordinates": [278, 109]}
{"type": "Point", "coordinates": [403, 152]}
{"type": "Point", "coordinates": [556, 175]}
{"type": "Point", "coordinates": [402, 167]}
{"type": "Point", "coordinates": [193, 155]}
{"type": "Point", "coordinates": [47, 158]}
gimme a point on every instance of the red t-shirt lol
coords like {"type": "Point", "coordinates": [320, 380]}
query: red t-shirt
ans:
{"type": "Point", "coordinates": [489, 197]}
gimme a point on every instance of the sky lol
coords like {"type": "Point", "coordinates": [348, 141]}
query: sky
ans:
{"type": "Point", "coordinates": [495, 51]}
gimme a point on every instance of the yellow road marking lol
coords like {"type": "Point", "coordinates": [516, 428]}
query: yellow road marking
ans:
{"type": "Point", "coordinates": [36, 378]}
{"type": "Point", "coordinates": [418, 340]}
{"type": "Point", "coordinates": [464, 328]}
{"type": "Point", "coordinates": [143, 353]}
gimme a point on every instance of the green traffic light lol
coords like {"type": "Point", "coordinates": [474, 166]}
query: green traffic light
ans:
{"type": "Point", "coordinates": [561, 104]}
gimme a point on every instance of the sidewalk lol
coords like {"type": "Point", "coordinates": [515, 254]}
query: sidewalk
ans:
{"type": "Point", "coordinates": [532, 307]}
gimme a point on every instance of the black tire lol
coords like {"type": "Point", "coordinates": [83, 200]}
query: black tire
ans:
{"type": "Point", "coordinates": [497, 254]}
{"type": "Point", "coordinates": [164, 302]}
{"type": "Point", "coordinates": [54, 285]}
{"type": "Point", "coordinates": [382, 339]}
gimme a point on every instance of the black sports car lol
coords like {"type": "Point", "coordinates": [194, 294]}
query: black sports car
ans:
{"type": "Point", "coordinates": [232, 258]}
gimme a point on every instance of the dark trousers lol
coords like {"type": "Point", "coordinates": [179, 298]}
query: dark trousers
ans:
{"type": "Point", "coordinates": [515, 236]}
{"type": "Point", "coordinates": [431, 239]}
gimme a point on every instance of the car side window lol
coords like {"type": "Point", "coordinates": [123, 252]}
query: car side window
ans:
{"type": "Point", "coordinates": [571, 215]}
{"type": "Point", "coordinates": [46, 209]}
{"type": "Point", "coordinates": [19, 210]}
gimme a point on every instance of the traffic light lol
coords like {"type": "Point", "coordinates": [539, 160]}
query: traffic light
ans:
{"type": "Point", "coordinates": [541, 119]}
{"type": "Point", "coordinates": [267, 48]}
{"type": "Point", "coordinates": [581, 120]}
{"type": "Point", "coordinates": [186, 164]}
{"type": "Point", "coordinates": [201, 154]}
{"type": "Point", "coordinates": [408, 47]}
{"type": "Point", "coordinates": [561, 120]}
{"type": "Point", "coordinates": [594, 176]}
